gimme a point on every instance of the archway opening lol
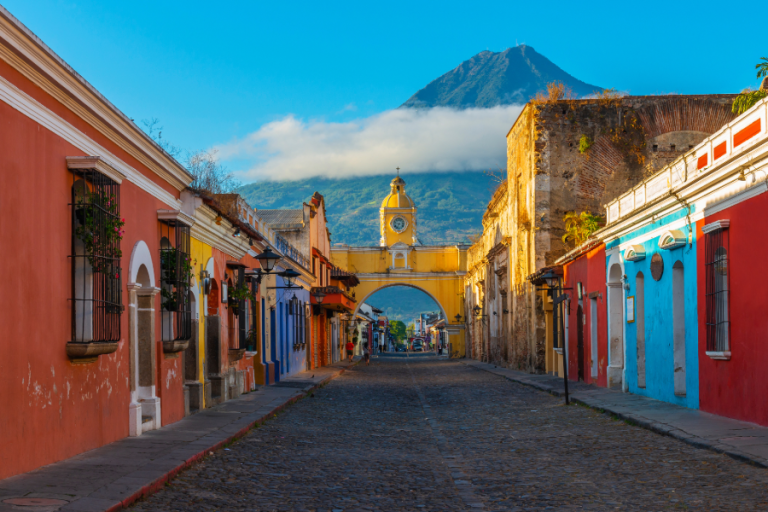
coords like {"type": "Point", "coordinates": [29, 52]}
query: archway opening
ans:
{"type": "Point", "coordinates": [412, 319]}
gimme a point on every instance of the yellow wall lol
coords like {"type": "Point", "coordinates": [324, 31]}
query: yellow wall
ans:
{"type": "Point", "coordinates": [392, 237]}
{"type": "Point", "coordinates": [200, 253]}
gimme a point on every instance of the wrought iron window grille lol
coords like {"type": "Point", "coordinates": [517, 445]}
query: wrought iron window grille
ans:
{"type": "Point", "coordinates": [717, 299]}
{"type": "Point", "coordinates": [96, 294]}
{"type": "Point", "coordinates": [175, 275]}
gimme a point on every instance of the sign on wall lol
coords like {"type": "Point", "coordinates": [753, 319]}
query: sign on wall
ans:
{"type": "Point", "coordinates": [630, 309]}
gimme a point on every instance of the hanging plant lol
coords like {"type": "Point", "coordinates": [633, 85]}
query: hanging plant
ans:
{"type": "Point", "coordinates": [100, 229]}
{"type": "Point", "coordinates": [176, 267]}
{"type": "Point", "coordinates": [176, 271]}
{"type": "Point", "coordinates": [237, 293]}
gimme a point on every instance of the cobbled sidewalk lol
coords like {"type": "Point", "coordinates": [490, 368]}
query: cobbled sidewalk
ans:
{"type": "Point", "coordinates": [111, 477]}
{"type": "Point", "coordinates": [426, 434]}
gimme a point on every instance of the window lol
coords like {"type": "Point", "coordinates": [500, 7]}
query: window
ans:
{"type": "Point", "coordinates": [175, 275]}
{"type": "Point", "coordinates": [97, 230]}
{"type": "Point", "coordinates": [716, 264]}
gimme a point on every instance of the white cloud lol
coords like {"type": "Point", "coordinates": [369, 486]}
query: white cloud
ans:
{"type": "Point", "coordinates": [438, 139]}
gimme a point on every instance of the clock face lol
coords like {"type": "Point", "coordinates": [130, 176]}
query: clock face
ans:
{"type": "Point", "coordinates": [398, 224]}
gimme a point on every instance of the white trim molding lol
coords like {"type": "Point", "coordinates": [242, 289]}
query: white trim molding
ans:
{"type": "Point", "coordinates": [716, 226]}
{"type": "Point", "coordinates": [33, 59]}
{"type": "Point", "coordinates": [34, 110]}
{"type": "Point", "coordinates": [176, 216]}
{"type": "Point", "coordinates": [97, 163]}
{"type": "Point", "coordinates": [672, 239]}
{"type": "Point", "coordinates": [634, 253]}
{"type": "Point", "coordinates": [720, 356]}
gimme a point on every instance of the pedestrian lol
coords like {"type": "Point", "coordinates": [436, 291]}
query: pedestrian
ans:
{"type": "Point", "coordinates": [366, 354]}
{"type": "Point", "coordinates": [350, 350]}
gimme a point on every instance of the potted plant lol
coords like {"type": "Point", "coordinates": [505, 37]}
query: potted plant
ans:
{"type": "Point", "coordinates": [236, 294]}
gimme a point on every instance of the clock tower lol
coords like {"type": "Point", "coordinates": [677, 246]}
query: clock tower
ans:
{"type": "Point", "coordinates": [397, 217]}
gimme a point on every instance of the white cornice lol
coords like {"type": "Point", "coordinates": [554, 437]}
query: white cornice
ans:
{"type": "Point", "coordinates": [716, 226]}
{"type": "Point", "coordinates": [31, 108]}
{"type": "Point", "coordinates": [26, 53]}
{"type": "Point", "coordinates": [97, 163]}
{"type": "Point", "coordinates": [207, 231]}
{"type": "Point", "coordinates": [176, 215]}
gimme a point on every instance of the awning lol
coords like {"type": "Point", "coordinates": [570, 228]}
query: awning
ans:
{"type": "Point", "coordinates": [335, 299]}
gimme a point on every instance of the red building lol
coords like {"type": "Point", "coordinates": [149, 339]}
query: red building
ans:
{"type": "Point", "coordinates": [80, 188]}
{"type": "Point", "coordinates": [585, 313]}
{"type": "Point", "coordinates": [733, 355]}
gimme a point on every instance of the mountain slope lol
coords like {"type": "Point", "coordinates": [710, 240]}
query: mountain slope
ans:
{"type": "Point", "coordinates": [488, 79]}
{"type": "Point", "coordinates": [450, 205]}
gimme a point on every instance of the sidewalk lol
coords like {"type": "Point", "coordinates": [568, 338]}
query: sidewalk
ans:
{"type": "Point", "coordinates": [744, 441]}
{"type": "Point", "coordinates": [114, 476]}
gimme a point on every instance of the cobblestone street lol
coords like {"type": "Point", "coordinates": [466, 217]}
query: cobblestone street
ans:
{"type": "Point", "coordinates": [420, 433]}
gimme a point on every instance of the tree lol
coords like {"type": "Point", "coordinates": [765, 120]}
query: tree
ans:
{"type": "Point", "coordinates": [579, 227]}
{"type": "Point", "coordinates": [208, 173]}
{"type": "Point", "coordinates": [749, 97]}
{"type": "Point", "coordinates": [397, 329]}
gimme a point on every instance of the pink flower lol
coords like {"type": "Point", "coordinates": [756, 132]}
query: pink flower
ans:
{"type": "Point", "coordinates": [122, 220]}
{"type": "Point", "coordinates": [117, 276]}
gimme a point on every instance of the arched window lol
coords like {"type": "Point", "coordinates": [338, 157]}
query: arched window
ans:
{"type": "Point", "coordinates": [213, 299]}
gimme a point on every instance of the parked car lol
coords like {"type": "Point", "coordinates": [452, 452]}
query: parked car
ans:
{"type": "Point", "coordinates": [400, 347]}
{"type": "Point", "coordinates": [418, 345]}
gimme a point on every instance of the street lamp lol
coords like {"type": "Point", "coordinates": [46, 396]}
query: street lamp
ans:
{"type": "Point", "coordinates": [268, 260]}
{"type": "Point", "coordinates": [458, 318]}
{"type": "Point", "coordinates": [289, 276]}
{"type": "Point", "coordinates": [318, 295]}
{"type": "Point", "coordinates": [553, 283]}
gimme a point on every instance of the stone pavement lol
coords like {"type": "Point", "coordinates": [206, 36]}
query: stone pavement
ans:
{"type": "Point", "coordinates": [113, 476]}
{"type": "Point", "coordinates": [747, 442]}
{"type": "Point", "coordinates": [422, 433]}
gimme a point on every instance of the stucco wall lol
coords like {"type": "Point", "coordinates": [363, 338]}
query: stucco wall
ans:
{"type": "Point", "coordinates": [43, 390]}
{"type": "Point", "coordinates": [659, 363]}
{"type": "Point", "coordinates": [735, 388]}
{"type": "Point", "coordinates": [589, 270]}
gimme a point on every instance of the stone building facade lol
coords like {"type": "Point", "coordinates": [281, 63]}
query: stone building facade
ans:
{"type": "Point", "coordinates": [566, 156]}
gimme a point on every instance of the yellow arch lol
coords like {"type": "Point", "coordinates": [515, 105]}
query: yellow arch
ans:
{"type": "Point", "coordinates": [445, 288]}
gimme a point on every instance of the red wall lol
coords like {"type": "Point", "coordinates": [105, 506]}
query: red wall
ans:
{"type": "Point", "coordinates": [589, 269]}
{"type": "Point", "coordinates": [85, 405]}
{"type": "Point", "coordinates": [736, 388]}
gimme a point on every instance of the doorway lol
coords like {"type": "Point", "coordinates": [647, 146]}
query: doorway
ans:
{"type": "Point", "coordinates": [678, 327]}
{"type": "Point", "coordinates": [640, 327]}
{"type": "Point", "coordinates": [593, 335]}
{"type": "Point", "coordinates": [580, 340]}
{"type": "Point", "coordinates": [144, 408]}
{"type": "Point", "coordinates": [616, 327]}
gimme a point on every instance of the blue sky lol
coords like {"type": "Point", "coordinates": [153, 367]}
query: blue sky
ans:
{"type": "Point", "coordinates": [213, 73]}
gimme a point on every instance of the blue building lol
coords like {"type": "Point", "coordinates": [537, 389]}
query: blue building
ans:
{"type": "Point", "coordinates": [652, 281]}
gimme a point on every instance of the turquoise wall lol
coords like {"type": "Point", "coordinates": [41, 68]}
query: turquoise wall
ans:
{"type": "Point", "coordinates": [659, 357]}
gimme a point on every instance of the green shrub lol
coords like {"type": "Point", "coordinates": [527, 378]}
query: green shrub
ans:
{"type": "Point", "coordinates": [585, 143]}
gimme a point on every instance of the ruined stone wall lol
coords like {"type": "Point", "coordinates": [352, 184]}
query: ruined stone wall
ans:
{"type": "Point", "coordinates": [628, 138]}
{"type": "Point", "coordinates": [522, 156]}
